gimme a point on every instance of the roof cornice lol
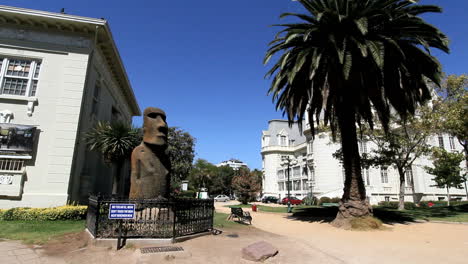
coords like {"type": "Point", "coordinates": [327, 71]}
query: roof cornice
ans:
{"type": "Point", "coordinates": [66, 22]}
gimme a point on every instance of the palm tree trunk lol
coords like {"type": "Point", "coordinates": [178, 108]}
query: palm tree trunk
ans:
{"type": "Point", "coordinates": [401, 202]}
{"type": "Point", "coordinates": [354, 202]}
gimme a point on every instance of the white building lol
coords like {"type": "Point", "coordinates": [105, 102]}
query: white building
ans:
{"type": "Point", "coordinates": [233, 163]}
{"type": "Point", "coordinates": [318, 172]}
{"type": "Point", "coordinates": [59, 75]}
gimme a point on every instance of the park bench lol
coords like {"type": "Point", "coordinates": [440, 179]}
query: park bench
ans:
{"type": "Point", "coordinates": [240, 215]}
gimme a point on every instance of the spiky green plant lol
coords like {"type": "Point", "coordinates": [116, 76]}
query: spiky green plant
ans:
{"type": "Point", "coordinates": [115, 142]}
{"type": "Point", "coordinates": [353, 59]}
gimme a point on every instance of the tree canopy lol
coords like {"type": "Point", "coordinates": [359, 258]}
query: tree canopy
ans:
{"type": "Point", "coordinates": [353, 60]}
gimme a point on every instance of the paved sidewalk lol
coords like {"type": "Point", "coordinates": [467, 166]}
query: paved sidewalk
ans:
{"type": "Point", "coordinates": [13, 252]}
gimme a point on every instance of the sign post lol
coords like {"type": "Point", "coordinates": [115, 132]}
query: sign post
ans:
{"type": "Point", "coordinates": [119, 211]}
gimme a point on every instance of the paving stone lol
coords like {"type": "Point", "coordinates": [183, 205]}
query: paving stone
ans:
{"type": "Point", "coordinates": [28, 257]}
{"type": "Point", "coordinates": [23, 251]}
{"type": "Point", "coordinates": [259, 251]}
{"type": "Point", "coordinates": [9, 260]}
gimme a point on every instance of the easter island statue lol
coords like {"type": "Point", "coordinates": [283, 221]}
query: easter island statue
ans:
{"type": "Point", "coordinates": [150, 176]}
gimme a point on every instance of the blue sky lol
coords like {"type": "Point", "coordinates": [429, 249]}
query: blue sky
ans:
{"type": "Point", "coordinates": [201, 61]}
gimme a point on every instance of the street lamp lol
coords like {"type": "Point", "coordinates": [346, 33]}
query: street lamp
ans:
{"type": "Point", "coordinates": [287, 161]}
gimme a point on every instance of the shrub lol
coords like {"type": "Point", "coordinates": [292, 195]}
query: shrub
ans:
{"type": "Point", "coordinates": [394, 205]}
{"type": "Point", "coordinates": [45, 214]}
{"type": "Point", "coordinates": [323, 200]}
{"type": "Point", "coordinates": [335, 200]}
{"type": "Point", "coordinates": [310, 200]}
{"type": "Point", "coordinates": [187, 194]}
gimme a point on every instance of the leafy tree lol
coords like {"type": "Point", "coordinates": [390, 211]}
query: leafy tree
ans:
{"type": "Point", "coordinates": [400, 146]}
{"type": "Point", "coordinates": [452, 111]}
{"type": "Point", "coordinates": [115, 142]}
{"type": "Point", "coordinates": [353, 60]}
{"type": "Point", "coordinates": [202, 173]}
{"type": "Point", "coordinates": [447, 170]}
{"type": "Point", "coordinates": [221, 182]}
{"type": "Point", "coordinates": [246, 185]}
{"type": "Point", "coordinates": [181, 152]}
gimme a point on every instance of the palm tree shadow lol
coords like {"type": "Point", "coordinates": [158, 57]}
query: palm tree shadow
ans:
{"type": "Point", "coordinates": [314, 214]}
{"type": "Point", "coordinates": [386, 215]}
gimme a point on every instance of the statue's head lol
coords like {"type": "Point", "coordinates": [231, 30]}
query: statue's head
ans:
{"type": "Point", "coordinates": [154, 126]}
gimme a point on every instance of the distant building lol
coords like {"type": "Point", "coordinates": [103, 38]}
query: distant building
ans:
{"type": "Point", "coordinates": [233, 163]}
{"type": "Point", "coordinates": [59, 75]}
{"type": "Point", "coordinates": [317, 172]}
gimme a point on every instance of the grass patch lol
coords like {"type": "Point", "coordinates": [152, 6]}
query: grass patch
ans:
{"type": "Point", "coordinates": [273, 209]}
{"type": "Point", "coordinates": [365, 223]}
{"type": "Point", "coordinates": [220, 221]}
{"type": "Point", "coordinates": [38, 232]}
{"type": "Point", "coordinates": [443, 213]}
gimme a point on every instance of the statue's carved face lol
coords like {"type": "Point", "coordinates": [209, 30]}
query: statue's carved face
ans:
{"type": "Point", "coordinates": [154, 126]}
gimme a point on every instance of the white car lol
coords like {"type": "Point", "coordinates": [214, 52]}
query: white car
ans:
{"type": "Point", "coordinates": [221, 198]}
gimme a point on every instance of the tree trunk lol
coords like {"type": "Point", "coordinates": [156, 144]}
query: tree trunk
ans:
{"type": "Point", "coordinates": [448, 196]}
{"type": "Point", "coordinates": [354, 202]}
{"type": "Point", "coordinates": [401, 202]}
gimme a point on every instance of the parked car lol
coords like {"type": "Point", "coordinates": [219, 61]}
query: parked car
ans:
{"type": "Point", "coordinates": [221, 198]}
{"type": "Point", "coordinates": [270, 199]}
{"type": "Point", "coordinates": [294, 200]}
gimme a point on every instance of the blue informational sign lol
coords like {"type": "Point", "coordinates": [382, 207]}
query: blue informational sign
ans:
{"type": "Point", "coordinates": [121, 211]}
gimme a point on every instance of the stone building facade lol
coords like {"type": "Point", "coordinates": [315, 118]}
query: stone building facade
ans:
{"type": "Point", "coordinates": [317, 172]}
{"type": "Point", "coordinates": [60, 74]}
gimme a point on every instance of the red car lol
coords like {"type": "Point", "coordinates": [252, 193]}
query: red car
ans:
{"type": "Point", "coordinates": [294, 200]}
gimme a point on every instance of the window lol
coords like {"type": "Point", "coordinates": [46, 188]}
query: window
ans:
{"type": "Point", "coordinates": [297, 185]}
{"type": "Point", "coordinates": [384, 174]}
{"type": "Point", "coordinates": [296, 172]}
{"type": "Point", "coordinates": [304, 172]}
{"type": "Point", "coordinates": [310, 147]}
{"type": "Point", "coordinates": [365, 174]}
{"type": "Point", "coordinates": [452, 143]}
{"type": "Point", "coordinates": [115, 115]}
{"type": "Point", "coordinates": [343, 172]}
{"type": "Point", "coordinates": [19, 77]}
{"type": "Point", "coordinates": [387, 198]}
{"type": "Point", "coordinates": [96, 94]}
{"type": "Point", "coordinates": [281, 186]}
{"type": "Point", "coordinates": [304, 185]}
{"type": "Point", "coordinates": [283, 141]}
{"type": "Point", "coordinates": [441, 141]}
{"type": "Point", "coordinates": [363, 146]}
{"type": "Point", "coordinates": [409, 177]}
{"type": "Point", "coordinates": [281, 174]}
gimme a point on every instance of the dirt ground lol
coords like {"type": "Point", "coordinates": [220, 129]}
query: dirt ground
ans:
{"type": "Point", "coordinates": [298, 241]}
{"type": "Point", "coordinates": [398, 243]}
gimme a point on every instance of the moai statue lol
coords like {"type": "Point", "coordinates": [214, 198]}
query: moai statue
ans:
{"type": "Point", "coordinates": [150, 165]}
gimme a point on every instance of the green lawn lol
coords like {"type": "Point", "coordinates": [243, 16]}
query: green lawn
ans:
{"type": "Point", "coordinates": [38, 232]}
{"type": "Point", "coordinates": [220, 221]}
{"type": "Point", "coordinates": [272, 209]}
{"type": "Point", "coordinates": [443, 213]}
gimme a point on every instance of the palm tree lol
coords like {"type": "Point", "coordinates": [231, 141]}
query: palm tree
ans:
{"type": "Point", "coordinates": [353, 59]}
{"type": "Point", "coordinates": [115, 142]}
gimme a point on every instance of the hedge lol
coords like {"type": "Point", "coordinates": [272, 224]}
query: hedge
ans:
{"type": "Point", "coordinates": [66, 212]}
{"type": "Point", "coordinates": [422, 204]}
{"type": "Point", "coordinates": [325, 199]}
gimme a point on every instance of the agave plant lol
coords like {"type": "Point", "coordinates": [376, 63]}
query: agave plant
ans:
{"type": "Point", "coordinates": [115, 142]}
{"type": "Point", "coordinates": [352, 60]}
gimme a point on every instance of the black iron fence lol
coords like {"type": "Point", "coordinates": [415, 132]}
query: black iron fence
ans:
{"type": "Point", "coordinates": [154, 218]}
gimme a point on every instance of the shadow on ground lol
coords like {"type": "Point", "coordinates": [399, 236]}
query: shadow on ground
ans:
{"type": "Point", "coordinates": [385, 214]}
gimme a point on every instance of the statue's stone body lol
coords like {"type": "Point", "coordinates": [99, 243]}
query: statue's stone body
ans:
{"type": "Point", "coordinates": [150, 176]}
